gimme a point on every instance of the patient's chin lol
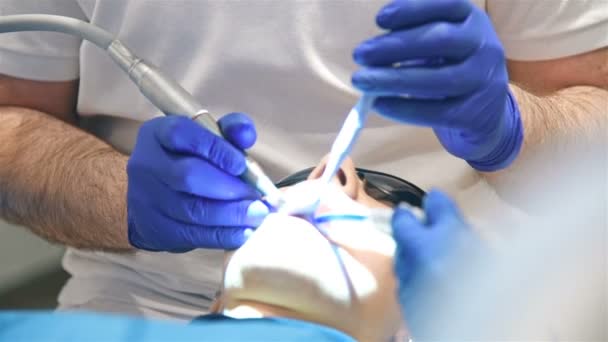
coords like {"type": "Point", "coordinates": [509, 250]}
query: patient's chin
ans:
{"type": "Point", "coordinates": [286, 255]}
{"type": "Point", "coordinates": [288, 264]}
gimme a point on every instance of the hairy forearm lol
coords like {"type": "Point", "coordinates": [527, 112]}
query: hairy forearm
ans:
{"type": "Point", "coordinates": [575, 112]}
{"type": "Point", "coordinates": [64, 184]}
{"type": "Point", "coordinates": [571, 115]}
{"type": "Point", "coordinates": [564, 151]}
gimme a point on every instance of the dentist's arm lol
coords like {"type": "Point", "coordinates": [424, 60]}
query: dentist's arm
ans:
{"type": "Point", "coordinates": [62, 183]}
{"type": "Point", "coordinates": [561, 99]}
{"type": "Point", "coordinates": [564, 111]}
{"type": "Point", "coordinates": [180, 190]}
{"type": "Point", "coordinates": [460, 86]}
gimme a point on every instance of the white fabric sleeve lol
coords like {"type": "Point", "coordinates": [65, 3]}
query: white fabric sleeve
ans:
{"type": "Point", "coordinates": [548, 29]}
{"type": "Point", "coordinates": [43, 56]}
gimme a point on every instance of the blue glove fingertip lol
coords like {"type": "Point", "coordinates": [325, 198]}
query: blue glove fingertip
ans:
{"type": "Point", "coordinates": [404, 224]}
{"type": "Point", "coordinates": [256, 212]}
{"type": "Point", "coordinates": [359, 54]}
{"type": "Point", "coordinates": [361, 80]}
{"type": "Point", "coordinates": [438, 207]}
{"type": "Point", "coordinates": [239, 129]}
{"type": "Point", "coordinates": [386, 15]}
{"type": "Point", "coordinates": [247, 233]}
{"type": "Point", "coordinates": [436, 196]}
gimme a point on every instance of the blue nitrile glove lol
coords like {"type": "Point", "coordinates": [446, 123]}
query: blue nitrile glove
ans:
{"type": "Point", "coordinates": [184, 191]}
{"type": "Point", "coordinates": [429, 255]}
{"type": "Point", "coordinates": [441, 65]}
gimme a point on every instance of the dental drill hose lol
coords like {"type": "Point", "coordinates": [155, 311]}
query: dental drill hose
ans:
{"type": "Point", "coordinates": [165, 93]}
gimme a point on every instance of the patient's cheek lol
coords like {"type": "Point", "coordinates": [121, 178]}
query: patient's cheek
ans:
{"type": "Point", "coordinates": [370, 202]}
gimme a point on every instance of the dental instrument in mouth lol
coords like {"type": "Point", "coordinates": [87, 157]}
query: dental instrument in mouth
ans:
{"type": "Point", "coordinates": [340, 149]}
{"type": "Point", "coordinates": [165, 93]}
{"type": "Point", "coordinates": [380, 218]}
{"type": "Point", "coordinates": [342, 146]}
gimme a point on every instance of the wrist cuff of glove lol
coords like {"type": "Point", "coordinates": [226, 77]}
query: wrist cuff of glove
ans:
{"type": "Point", "coordinates": [510, 143]}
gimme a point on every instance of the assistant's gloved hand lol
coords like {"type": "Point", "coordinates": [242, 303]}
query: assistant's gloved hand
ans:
{"type": "Point", "coordinates": [184, 191]}
{"type": "Point", "coordinates": [430, 254]}
{"type": "Point", "coordinates": [441, 65]}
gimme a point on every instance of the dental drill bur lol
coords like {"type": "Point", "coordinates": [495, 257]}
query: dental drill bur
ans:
{"type": "Point", "coordinates": [165, 93]}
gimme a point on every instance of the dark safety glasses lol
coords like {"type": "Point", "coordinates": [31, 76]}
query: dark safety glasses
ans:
{"type": "Point", "coordinates": [378, 185]}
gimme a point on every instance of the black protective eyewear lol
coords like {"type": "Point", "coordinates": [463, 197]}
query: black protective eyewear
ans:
{"type": "Point", "coordinates": [378, 185]}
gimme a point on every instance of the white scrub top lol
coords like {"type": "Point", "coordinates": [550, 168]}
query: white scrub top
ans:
{"type": "Point", "coordinates": [286, 63]}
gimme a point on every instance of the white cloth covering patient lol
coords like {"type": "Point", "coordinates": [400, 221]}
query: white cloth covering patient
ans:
{"type": "Point", "coordinates": [288, 268]}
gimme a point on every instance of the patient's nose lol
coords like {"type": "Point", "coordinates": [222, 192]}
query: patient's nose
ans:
{"type": "Point", "coordinates": [346, 177]}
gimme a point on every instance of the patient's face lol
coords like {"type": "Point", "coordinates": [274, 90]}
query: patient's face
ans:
{"type": "Point", "coordinates": [288, 268]}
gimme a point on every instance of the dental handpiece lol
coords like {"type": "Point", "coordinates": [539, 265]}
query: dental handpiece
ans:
{"type": "Point", "coordinates": [168, 96]}
{"type": "Point", "coordinates": [165, 93]}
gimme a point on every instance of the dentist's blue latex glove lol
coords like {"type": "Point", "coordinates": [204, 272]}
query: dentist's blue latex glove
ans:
{"type": "Point", "coordinates": [441, 65]}
{"type": "Point", "coordinates": [184, 191]}
{"type": "Point", "coordinates": [429, 255]}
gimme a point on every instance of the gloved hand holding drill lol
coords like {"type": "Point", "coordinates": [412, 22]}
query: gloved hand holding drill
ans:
{"type": "Point", "coordinates": [184, 191]}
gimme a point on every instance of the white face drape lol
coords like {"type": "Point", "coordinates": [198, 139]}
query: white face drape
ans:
{"type": "Point", "coordinates": [289, 263]}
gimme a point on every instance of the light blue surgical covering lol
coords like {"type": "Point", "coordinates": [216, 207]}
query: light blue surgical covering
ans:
{"type": "Point", "coordinates": [34, 326]}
